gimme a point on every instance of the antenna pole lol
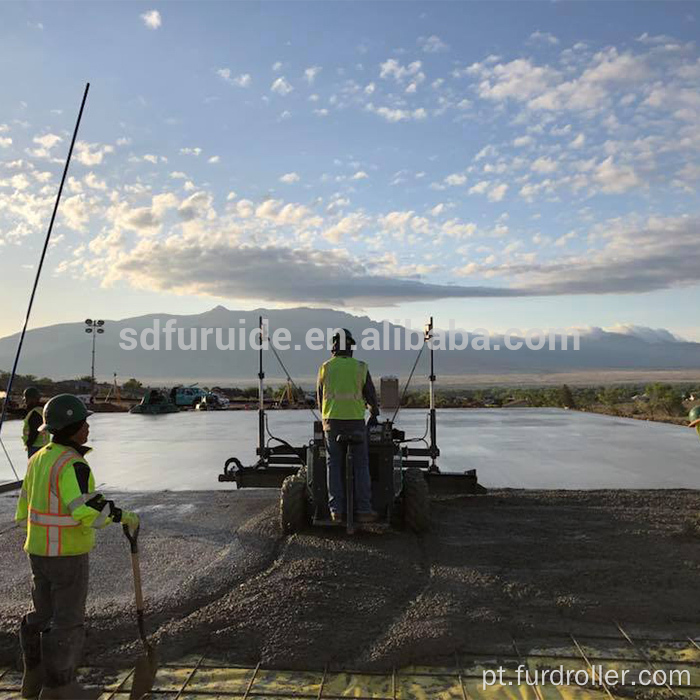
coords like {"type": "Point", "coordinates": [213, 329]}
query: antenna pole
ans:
{"type": "Point", "coordinates": [261, 394]}
{"type": "Point", "coordinates": [434, 452]}
{"type": "Point", "coordinates": [41, 262]}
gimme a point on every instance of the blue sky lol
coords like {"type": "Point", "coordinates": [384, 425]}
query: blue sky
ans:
{"type": "Point", "coordinates": [501, 164]}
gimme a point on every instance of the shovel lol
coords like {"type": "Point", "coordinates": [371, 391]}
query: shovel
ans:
{"type": "Point", "coordinates": [147, 663]}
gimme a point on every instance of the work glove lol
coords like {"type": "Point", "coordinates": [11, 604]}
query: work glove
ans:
{"type": "Point", "coordinates": [130, 520]}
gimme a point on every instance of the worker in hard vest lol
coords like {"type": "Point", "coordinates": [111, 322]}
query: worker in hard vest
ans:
{"type": "Point", "coordinates": [33, 438]}
{"type": "Point", "coordinates": [61, 511]}
{"type": "Point", "coordinates": [344, 390]}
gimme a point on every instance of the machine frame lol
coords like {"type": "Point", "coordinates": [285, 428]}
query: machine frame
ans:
{"type": "Point", "coordinates": [276, 463]}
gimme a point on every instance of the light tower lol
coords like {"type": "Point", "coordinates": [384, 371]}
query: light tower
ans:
{"type": "Point", "coordinates": [93, 327]}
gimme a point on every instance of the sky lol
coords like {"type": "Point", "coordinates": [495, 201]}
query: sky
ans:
{"type": "Point", "coordinates": [525, 164]}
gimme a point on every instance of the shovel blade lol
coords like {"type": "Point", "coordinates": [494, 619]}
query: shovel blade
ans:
{"type": "Point", "coordinates": [144, 674]}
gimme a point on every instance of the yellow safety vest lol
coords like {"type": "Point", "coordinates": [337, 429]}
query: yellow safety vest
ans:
{"type": "Point", "coordinates": [342, 380]}
{"type": "Point", "coordinates": [42, 438]}
{"type": "Point", "coordinates": [52, 507]}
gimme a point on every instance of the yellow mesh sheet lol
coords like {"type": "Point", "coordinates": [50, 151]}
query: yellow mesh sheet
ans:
{"type": "Point", "coordinates": [209, 679]}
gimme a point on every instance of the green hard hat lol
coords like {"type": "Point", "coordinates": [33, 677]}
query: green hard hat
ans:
{"type": "Point", "coordinates": [31, 393]}
{"type": "Point", "coordinates": [63, 410]}
{"type": "Point", "coordinates": [694, 413]}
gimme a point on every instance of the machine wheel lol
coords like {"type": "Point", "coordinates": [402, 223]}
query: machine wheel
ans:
{"type": "Point", "coordinates": [293, 503]}
{"type": "Point", "coordinates": [416, 500]}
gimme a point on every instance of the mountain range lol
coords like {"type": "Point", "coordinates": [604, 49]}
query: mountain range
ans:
{"type": "Point", "coordinates": [64, 350]}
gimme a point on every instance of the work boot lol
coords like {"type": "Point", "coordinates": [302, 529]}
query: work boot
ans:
{"type": "Point", "coordinates": [71, 691]}
{"type": "Point", "coordinates": [31, 682]}
{"type": "Point", "coordinates": [337, 517]}
{"type": "Point", "coordinates": [59, 657]}
{"type": "Point", "coordinates": [29, 641]}
{"type": "Point", "coordinates": [370, 517]}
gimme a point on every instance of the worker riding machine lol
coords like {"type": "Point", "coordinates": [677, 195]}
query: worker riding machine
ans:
{"type": "Point", "coordinates": [403, 476]}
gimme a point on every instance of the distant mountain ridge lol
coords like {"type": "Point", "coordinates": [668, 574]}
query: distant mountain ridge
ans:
{"type": "Point", "coordinates": [63, 350]}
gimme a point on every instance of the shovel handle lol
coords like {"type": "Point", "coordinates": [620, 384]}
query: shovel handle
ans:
{"type": "Point", "coordinates": [137, 581]}
{"type": "Point", "coordinates": [133, 539]}
{"type": "Point", "coordinates": [136, 570]}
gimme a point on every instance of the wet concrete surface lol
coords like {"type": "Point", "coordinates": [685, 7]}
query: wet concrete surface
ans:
{"type": "Point", "coordinates": [219, 577]}
{"type": "Point", "coordinates": [510, 448]}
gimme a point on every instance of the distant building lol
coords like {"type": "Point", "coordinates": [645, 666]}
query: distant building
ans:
{"type": "Point", "coordinates": [389, 392]}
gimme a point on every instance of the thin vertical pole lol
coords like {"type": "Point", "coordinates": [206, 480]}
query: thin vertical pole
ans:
{"type": "Point", "coordinates": [433, 421]}
{"type": "Point", "coordinates": [261, 395]}
{"type": "Point", "coordinates": [92, 376]}
{"type": "Point", "coordinates": [41, 260]}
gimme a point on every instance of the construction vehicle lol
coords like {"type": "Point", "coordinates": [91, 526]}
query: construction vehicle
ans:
{"type": "Point", "coordinates": [154, 403]}
{"type": "Point", "coordinates": [186, 396]}
{"type": "Point", "coordinates": [293, 398]}
{"type": "Point", "coordinates": [212, 402]}
{"type": "Point", "coordinates": [402, 476]}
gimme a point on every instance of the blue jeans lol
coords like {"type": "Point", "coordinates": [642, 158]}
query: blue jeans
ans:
{"type": "Point", "coordinates": [335, 461]}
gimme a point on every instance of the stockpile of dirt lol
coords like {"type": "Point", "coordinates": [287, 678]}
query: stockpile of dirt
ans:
{"type": "Point", "coordinates": [222, 579]}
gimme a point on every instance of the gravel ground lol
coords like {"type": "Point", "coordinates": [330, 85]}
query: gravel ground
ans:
{"type": "Point", "coordinates": [221, 578]}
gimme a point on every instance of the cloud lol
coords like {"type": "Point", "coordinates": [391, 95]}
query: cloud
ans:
{"type": "Point", "coordinates": [92, 181]}
{"type": "Point", "coordinates": [544, 38]}
{"type": "Point", "coordinates": [274, 273]}
{"type": "Point", "coordinates": [649, 335]}
{"type": "Point", "coordinates": [479, 188]}
{"type": "Point", "coordinates": [278, 213]}
{"type": "Point", "coordinates": [518, 80]}
{"type": "Point", "coordinates": [636, 257]}
{"type": "Point", "coordinates": [398, 115]}
{"type": "Point", "coordinates": [214, 159]}
{"type": "Point", "coordinates": [289, 178]}
{"type": "Point", "coordinates": [455, 179]}
{"type": "Point", "coordinates": [150, 158]}
{"type": "Point", "coordinates": [45, 143]}
{"type": "Point", "coordinates": [592, 88]}
{"type": "Point", "coordinates": [614, 179]}
{"type": "Point", "coordinates": [432, 44]}
{"type": "Point", "coordinates": [489, 151]}
{"type": "Point", "coordinates": [360, 175]}
{"type": "Point", "coordinates": [91, 153]}
{"type": "Point", "coordinates": [243, 80]}
{"type": "Point", "coordinates": [349, 225]}
{"type": "Point", "coordinates": [546, 88]}
{"type": "Point", "coordinates": [190, 151]}
{"type": "Point", "coordinates": [393, 69]}
{"type": "Point", "coordinates": [544, 165]}
{"type": "Point", "coordinates": [281, 86]}
{"type": "Point", "coordinates": [75, 212]}
{"type": "Point", "coordinates": [495, 192]}
{"type": "Point", "coordinates": [5, 141]}
{"type": "Point", "coordinates": [152, 19]}
{"type": "Point", "coordinates": [197, 205]}
{"type": "Point", "coordinates": [311, 73]}
{"type": "Point", "coordinates": [48, 141]}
